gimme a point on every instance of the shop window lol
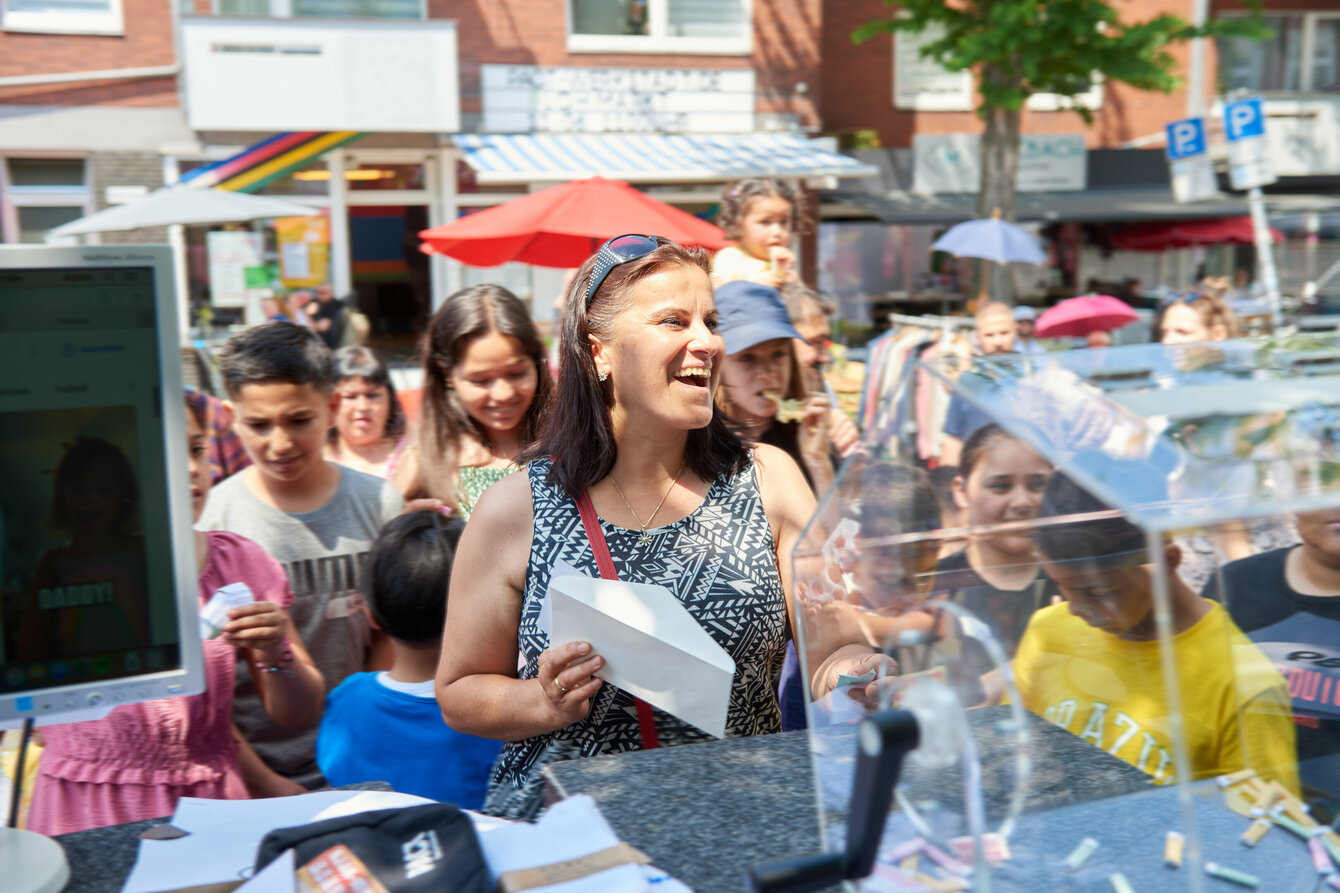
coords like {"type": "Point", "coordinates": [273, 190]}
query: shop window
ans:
{"type": "Point", "coordinates": [312, 178]}
{"type": "Point", "coordinates": [36, 222]}
{"type": "Point", "coordinates": [381, 177]}
{"type": "Point", "coordinates": [1302, 56]}
{"type": "Point", "coordinates": [62, 16]}
{"type": "Point", "coordinates": [660, 26]}
{"type": "Point", "coordinates": [39, 194]}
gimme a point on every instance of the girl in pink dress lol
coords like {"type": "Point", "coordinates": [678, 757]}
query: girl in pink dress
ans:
{"type": "Point", "coordinates": [139, 760]}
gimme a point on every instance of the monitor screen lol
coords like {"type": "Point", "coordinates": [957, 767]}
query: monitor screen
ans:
{"type": "Point", "coordinates": [97, 582]}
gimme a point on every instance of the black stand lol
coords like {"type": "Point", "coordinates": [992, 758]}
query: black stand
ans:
{"type": "Point", "coordinates": [885, 739]}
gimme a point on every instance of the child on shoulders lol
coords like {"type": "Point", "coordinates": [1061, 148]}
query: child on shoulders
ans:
{"type": "Point", "coordinates": [387, 726]}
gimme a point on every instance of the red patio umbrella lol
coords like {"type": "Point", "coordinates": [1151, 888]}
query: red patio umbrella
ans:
{"type": "Point", "coordinates": [564, 225]}
{"type": "Point", "coordinates": [1188, 233]}
{"type": "Point", "coordinates": [1078, 317]}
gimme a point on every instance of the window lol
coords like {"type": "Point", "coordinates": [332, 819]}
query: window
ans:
{"type": "Point", "coordinates": [312, 9]}
{"type": "Point", "coordinates": [39, 194]}
{"type": "Point", "coordinates": [660, 26]}
{"type": "Point", "coordinates": [1302, 56]}
{"type": "Point", "coordinates": [62, 16]}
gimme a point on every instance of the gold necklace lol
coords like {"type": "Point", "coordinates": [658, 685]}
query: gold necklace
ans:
{"type": "Point", "coordinates": [645, 538]}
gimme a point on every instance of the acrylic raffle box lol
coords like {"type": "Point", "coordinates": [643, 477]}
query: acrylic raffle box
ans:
{"type": "Point", "coordinates": [1120, 619]}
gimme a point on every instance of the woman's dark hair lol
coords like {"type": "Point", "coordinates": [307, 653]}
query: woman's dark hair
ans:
{"type": "Point", "coordinates": [738, 196]}
{"type": "Point", "coordinates": [93, 454]}
{"type": "Point", "coordinates": [360, 362]}
{"type": "Point", "coordinates": [978, 444]}
{"type": "Point", "coordinates": [578, 432]}
{"type": "Point", "coordinates": [469, 314]}
{"type": "Point", "coordinates": [276, 352]}
{"type": "Point", "coordinates": [407, 574]}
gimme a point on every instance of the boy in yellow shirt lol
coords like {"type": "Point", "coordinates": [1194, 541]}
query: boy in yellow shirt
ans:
{"type": "Point", "coordinates": [1091, 665]}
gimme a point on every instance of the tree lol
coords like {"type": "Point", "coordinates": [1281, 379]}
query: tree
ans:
{"type": "Point", "coordinates": [1022, 47]}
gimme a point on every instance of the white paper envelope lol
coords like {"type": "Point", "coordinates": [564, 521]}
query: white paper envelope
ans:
{"type": "Point", "coordinates": [652, 646]}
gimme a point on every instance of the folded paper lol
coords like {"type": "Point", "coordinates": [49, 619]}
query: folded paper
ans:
{"type": "Point", "coordinates": [652, 646]}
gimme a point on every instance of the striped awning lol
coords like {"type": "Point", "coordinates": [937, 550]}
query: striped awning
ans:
{"type": "Point", "coordinates": [650, 158]}
{"type": "Point", "coordinates": [259, 165]}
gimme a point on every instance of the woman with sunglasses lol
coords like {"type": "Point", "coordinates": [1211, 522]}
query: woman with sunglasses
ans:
{"type": "Point", "coordinates": [1198, 316]}
{"type": "Point", "coordinates": [634, 457]}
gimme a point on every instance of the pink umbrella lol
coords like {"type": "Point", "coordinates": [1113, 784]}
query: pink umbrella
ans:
{"type": "Point", "coordinates": [1079, 316]}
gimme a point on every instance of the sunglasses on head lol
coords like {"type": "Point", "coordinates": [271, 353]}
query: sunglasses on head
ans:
{"type": "Point", "coordinates": [619, 250]}
{"type": "Point", "coordinates": [1186, 297]}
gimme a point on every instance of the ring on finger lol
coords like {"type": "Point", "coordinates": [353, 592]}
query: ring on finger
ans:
{"type": "Point", "coordinates": [561, 689]}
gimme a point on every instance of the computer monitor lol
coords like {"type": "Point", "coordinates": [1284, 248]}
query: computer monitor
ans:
{"type": "Point", "coordinates": [98, 602]}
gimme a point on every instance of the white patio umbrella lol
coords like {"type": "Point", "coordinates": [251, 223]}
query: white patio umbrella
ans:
{"type": "Point", "coordinates": [184, 205]}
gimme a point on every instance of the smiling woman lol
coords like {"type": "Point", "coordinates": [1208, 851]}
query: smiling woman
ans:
{"type": "Point", "coordinates": [486, 386]}
{"type": "Point", "coordinates": [368, 430]}
{"type": "Point", "coordinates": [635, 460]}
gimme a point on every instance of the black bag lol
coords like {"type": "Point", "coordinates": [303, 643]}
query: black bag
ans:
{"type": "Point", "coordinates": [419, 849]}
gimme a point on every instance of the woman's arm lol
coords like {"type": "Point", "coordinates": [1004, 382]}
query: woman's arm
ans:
{"type": "Point", "coordinates": [294, 694]}
{"type": "Point", "coordinates": [836, 645]}
{"type": "Point", "coordinates": [477, 685]}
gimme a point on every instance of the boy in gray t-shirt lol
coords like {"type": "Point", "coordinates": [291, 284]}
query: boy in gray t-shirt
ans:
{"type": "Point", "coordinates": [316, 518]}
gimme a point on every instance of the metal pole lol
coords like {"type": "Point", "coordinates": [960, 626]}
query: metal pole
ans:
{"type": "Point", "coordinates": [1265, 253]}
{"type": "Point", "coordinates": [1195, 81]}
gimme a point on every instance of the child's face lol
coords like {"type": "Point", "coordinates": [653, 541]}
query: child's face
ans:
{"type": "Point", "coordinates": [1320, 533]}
{"type": "Point", "coordinates": [495, 381]}
{"type": "Point", "coordinates": [198, 463]}
{"type": "Point", "coordinates": [752, 373]}
{"type": "Point", "coordinates": [360, 410]}
{"type": "Point", "coordinates": [1119, 601]}
{"type": "Point", "coordinates": [894, 578]}
{"type": "Point", "coordinates": [1006, 484]}
{"type": "Point", "coordinates": [283, 428]}
{"type": "Point", "coordinates": [766, 225]}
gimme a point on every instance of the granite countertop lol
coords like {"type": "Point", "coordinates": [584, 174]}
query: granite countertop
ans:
{"type": "Point", "coordinates": [707, 812]}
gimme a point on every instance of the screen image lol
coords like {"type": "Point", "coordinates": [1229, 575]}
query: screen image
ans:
{"type": "Point", "coordinates": [75, 587]}
{"type": "Point", "coordinates": [88, 586]}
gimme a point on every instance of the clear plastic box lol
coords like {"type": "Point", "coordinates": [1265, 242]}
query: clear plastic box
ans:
{"type": "Point", "coordinates": [1060, 619]}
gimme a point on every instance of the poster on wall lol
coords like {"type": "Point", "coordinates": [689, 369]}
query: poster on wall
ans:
{"type": "Point", "coordinates": [304, 251]}
{"type": "Point", "coordinates": [231, 254]}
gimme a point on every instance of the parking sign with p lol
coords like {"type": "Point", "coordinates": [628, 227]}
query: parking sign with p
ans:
{"type": "Point", "coordinates": [1244, 119]}
{"type": "Point", "coordinates": [1186, 138]}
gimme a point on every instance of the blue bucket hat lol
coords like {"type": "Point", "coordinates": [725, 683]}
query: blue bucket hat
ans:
{"type": "Point", "coordinates": [750, 313]}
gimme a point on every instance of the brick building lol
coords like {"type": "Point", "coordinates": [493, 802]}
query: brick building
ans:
{"type": "Point", "coordinates": [1080, 183]}
{"type": "Point", "coordinates": [389, 90]}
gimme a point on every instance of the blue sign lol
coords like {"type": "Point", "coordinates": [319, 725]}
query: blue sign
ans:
{"type": "Point", "coordinates": [1186, 138]}
{"type": "Point", "coordinates": [1244, 120]}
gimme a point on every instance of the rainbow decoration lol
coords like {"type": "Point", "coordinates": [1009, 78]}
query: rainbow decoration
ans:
{"type": "Point", "coordinates": [259, 165]}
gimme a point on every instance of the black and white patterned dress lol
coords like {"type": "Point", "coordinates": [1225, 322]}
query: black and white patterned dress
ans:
{"type": "Point", "coordinates": [720, 561]}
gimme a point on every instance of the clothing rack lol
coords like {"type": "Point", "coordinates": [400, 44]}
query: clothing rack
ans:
{"type": "Point", "coordinates": [932, 321]}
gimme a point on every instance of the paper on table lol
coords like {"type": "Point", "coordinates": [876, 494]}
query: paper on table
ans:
{"type": "Point", "coordinates": [572, 828]}
{"type": "Point", "coordinates": [277, 877]}
{"type": "Point", "coordinates": [225, 835]}
{"type": "Point", "coordinates": [652, 646]}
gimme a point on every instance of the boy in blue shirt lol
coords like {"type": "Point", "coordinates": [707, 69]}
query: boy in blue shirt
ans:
{"type": "Point", "coordinates": [387, 726]}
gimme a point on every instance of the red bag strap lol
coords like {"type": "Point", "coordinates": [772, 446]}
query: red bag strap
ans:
{"type": "Point", "coordinates": [646, 720]}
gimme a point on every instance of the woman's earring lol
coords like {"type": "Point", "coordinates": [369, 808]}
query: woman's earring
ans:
{"type": "Point", "coordinates": [604, 375]}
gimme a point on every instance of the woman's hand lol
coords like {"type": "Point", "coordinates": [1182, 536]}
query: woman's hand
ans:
{"type": "Point", "coordinates": [854, 662]}
{"type": "Point", "coordinates": [565, 677]}
{"type": "Point", "coordinates": [260, 628]}
{"type": "Point", "coordinates": [813, 439]}
{"type": "Point", "coordinates": [842, 432]}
